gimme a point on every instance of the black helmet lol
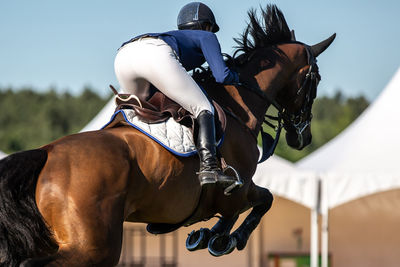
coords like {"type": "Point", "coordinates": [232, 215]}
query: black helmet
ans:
{"type": "Point", "coordinates": [194, 15]}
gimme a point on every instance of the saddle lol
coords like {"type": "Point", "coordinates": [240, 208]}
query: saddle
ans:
{"type": "Point", "coordinates": [159, 108]}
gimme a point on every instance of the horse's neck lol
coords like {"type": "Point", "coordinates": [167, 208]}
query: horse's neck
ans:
{"type": "Point", "coordinates": [249, 107]}
{"type": "Point", "coordinates": [244, 105]}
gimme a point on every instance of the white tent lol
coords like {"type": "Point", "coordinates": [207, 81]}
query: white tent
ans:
{"type": "Point", "coordinates": [101, 118]}
{"type": "Point", "coordinates": [282, 178]}
{"type": "Point", "coordinates": [361, 161]}
{"type": "Point", "coordinates": [366, 151]}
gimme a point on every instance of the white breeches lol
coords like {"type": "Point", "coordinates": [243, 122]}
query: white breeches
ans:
{"type": "Point", "coordinates": [152, 60]}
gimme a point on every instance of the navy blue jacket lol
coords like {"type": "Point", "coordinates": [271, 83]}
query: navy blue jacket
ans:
{"type": "Point", "coordinates": [194, 47]}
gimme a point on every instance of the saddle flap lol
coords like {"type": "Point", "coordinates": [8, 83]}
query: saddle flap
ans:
{"type": "Point", "coordinates": [158, 109]}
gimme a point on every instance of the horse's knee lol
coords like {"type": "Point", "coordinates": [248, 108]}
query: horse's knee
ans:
{"type": "Point", "coordinates": [262, 200]}
{"type": "Point", "coordinates": [269, 198]}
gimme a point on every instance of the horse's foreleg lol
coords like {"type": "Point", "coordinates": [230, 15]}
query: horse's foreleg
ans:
{"type": "Point", "coordinates": [261, 199]}
{"type": "Point", "coordinates": [199, 239]}
{"type": "Point", "coordinates": [221, 242]}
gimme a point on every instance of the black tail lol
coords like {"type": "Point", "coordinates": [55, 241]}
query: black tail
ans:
{"type": "Point", "coordinates": [23, 232]}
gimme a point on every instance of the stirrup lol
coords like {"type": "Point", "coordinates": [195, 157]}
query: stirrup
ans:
{"type": "Point", "coordinates": [236, 185]}
{"type": "Point", "coordinates": [211, 177]}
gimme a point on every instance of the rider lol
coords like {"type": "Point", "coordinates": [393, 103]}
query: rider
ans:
{"type": "Point", "coordinates": [163, 59]}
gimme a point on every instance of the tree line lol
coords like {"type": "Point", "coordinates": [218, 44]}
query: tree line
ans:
{"type": "Point", "coordinates": [29, 118]}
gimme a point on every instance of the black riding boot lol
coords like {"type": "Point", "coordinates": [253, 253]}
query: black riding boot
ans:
{"type": "Point", "coordinates": [209, 172]}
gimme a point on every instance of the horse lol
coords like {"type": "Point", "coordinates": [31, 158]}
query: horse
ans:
{"type": "Point", "coordinates": [64, 203]}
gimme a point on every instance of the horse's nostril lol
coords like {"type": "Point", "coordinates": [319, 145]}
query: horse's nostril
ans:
{"type": "Point", "coordinates": [306, 142]}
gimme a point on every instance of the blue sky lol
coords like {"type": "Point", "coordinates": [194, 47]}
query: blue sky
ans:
{"type": "Point", "coordinates": [70, 44]}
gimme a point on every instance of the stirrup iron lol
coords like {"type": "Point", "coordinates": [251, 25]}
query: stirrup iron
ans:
{"type": "Point", "coordinates": [236, 185]}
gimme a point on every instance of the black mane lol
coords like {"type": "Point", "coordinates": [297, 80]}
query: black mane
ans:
{"type": "Point", "coordinates": [271, 29]}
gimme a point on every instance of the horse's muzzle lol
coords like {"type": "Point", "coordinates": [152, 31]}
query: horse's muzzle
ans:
{"type": "Point", "coordinates": [298, 140]}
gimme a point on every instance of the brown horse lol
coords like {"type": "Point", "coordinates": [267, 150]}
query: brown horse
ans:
{"type": "Point", "coordinates": [64, 204]}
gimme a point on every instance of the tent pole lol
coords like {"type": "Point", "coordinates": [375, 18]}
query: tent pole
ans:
{"type": "Point", "coordinates": [314, 238]}
{"type": "Point", "coordinates": [325, 226]}
{"type": "Point", "coordinates": [314, 226]}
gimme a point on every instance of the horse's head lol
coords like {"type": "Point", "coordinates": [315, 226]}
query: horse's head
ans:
{"type": "Point", "coordinates": [294, 100]}
{"type": "Point", "coordinates": [283, 70]}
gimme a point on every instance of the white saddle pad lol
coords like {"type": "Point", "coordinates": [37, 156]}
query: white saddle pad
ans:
{"type": "Point", "coordinates": [173, 136]}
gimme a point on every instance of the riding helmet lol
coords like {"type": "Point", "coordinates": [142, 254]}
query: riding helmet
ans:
{"type": "Point", "coordinates": [194, 15]}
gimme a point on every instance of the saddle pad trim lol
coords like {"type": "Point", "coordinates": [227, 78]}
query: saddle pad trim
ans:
{"type": "Point", "coordinates": [185, 154]}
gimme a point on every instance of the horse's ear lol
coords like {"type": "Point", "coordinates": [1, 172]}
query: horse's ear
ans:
{"type": "Point", "coordinates": [320, 47]}
{"type": "Point", "coordinates": [293, 38]}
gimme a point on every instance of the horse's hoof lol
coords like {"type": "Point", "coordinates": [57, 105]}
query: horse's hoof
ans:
{"type": "Point", "coordinates": [221, 245]}
{"type": "Point", "coordinates": [198, 239]}
{"type": "Point", "coordinates": [241, 241]}
{"type": "Point", "coordinates": [241, 244]}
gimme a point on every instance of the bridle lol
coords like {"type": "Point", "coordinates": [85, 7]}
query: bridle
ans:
{"type": "Point", "coordinates": [298, 121]}
{"type": "Point", "coordinates": [301, 120]}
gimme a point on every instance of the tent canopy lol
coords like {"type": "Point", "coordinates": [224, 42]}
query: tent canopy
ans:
{"type": "Point", "coordinates": [282, 178]}
{"type": "Point", "coordinates": [363, 159]}
{"type": "Point", "coordinates": [101, 118]}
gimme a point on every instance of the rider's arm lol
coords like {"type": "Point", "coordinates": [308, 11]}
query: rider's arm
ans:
{"type": "Point", "coordinates": [212, 53]}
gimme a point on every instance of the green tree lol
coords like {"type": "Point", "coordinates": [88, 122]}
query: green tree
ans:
{"type": "Point", "coordinates": [29, 119]}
